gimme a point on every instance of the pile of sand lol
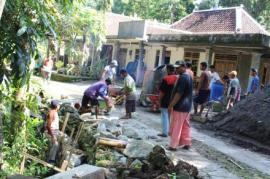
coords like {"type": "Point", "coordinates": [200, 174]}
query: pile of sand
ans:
{"type": "Point", "coordinates": [249, 118]}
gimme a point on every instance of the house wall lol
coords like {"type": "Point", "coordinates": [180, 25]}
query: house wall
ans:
{"type": "Point", "coordinates": [243, 68]}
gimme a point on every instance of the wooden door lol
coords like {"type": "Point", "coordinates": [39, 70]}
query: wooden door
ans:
{"type": "Point", "coordinates": [225, 63]}
{"type": "Point", "coordinates": [122, 58]}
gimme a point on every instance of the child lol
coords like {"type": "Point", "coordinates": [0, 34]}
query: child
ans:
{"type": "Point", "coordinates": [53, 130]}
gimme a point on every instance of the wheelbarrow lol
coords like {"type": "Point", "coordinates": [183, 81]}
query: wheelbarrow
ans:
{"type": "Point", "coordinates": [154, 99]}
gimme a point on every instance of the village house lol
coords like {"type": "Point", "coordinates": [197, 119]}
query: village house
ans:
{"type": "Point", "coordinates": [227, 37]}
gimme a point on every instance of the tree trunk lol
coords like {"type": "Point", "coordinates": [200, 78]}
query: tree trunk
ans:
{"type": "Point", "coordinates": [2, 5]}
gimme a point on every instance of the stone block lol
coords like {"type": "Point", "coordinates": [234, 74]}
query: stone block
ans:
{"type": "Point", "coordinates": [83, 172]}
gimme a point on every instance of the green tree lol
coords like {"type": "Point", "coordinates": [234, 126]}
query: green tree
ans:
{"type": "Point", "coordinates": [162, 10]}
{"type": "Point", "coordinates": [207, 4]}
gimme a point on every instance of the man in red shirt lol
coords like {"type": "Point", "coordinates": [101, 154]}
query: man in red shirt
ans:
{"type": "Point", "coordinates": [165, 91]}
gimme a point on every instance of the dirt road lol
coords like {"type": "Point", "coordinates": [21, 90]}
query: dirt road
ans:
{"type": "Point", "coordinates": [213, 156]}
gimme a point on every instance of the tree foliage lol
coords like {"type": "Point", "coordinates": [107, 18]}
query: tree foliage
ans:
{"type": "Point", "coordinates": [161, 10]}
{"type": "Point", "coordinates": [259, 9]}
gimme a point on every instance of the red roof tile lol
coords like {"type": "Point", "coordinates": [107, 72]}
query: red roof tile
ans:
{"type": "Point", "coordinates": [219, 21]}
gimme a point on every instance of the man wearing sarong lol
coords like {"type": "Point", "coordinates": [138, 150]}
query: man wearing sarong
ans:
{"type": "Point", "coordinates": [203, 92]}
{"type": "Point", "coordinates": [129, 90]}
{"type": "Point", "coordinates": [180, 107]}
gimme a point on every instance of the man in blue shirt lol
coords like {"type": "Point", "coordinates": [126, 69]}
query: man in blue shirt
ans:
{"type": "Point", "coordinates": [180, 107]}
{"type": "Point", "coordinates": [255, 82]}
{"type": "Point", "coordinates": [98, 89]}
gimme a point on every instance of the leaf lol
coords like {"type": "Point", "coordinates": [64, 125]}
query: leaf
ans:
{"type": "Point", "coordinates": [21, 31]}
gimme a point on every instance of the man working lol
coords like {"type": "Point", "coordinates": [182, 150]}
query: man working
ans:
{"type": "Point", "coordinates": [180, 106]}
{"type": "Point", "coordinates": [203, 89]}
{"type": "Point", "coordinates": [129, 90]}
{"type": "Point", "coordinates": [110, 71]}
{"type": "Point", "coordinates": [93, 92]}
{"type": "Point", "coordinates": [165, 91]}
{"type": "Point", "coordinates": [52, 126]}
{"type": "Point", "coordinates": [255, 82]}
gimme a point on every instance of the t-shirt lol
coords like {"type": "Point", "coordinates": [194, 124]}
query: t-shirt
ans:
{"type": "Point", "coordinates": [184, 88]}
{"type": "Point", "coordinates": [109, 72]}
{"type": "Point", "coordinates": [255, 84]}
{"type": "Point", "coordinates": [214, 78]}
{"type": "Point", "coordinates": [166, 87]}
{"type": "Point", "coordinates": [234, 86]}
{"type": "Point", "coordinates": [97, 89]}
{"type": "Point", "coordinates": [130, 88]}
{"type": "Point", "coordinates": [205, 80]}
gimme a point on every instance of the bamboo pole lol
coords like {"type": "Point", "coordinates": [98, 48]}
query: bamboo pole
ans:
{"type": "Point", "coordinates": [42, 162]}
{"type": "Point", "coordinates": [65, 123]}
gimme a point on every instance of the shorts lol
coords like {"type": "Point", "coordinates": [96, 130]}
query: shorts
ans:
{"type": "Point", "coordinates": [130, 106]}
{"type": "Point", "coordinates": [87, 99]}
{"type": "Point", "coordinates": [202, 97]}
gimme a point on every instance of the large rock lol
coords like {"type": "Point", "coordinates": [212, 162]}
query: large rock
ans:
{"type": "Point", "coordinates": [159, 160]}
{"type": "Point", "coordinates": [138, 149]}
{"type": "Point", "coordinates": [111, 126]}
{"type": "Point", "coordinates": [83, 171]}
{"type": "Point", "coordinates": [130, 132]}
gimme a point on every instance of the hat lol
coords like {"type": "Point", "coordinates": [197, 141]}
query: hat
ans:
{"type": "Point", "coordinates": [114, 63]}
{"type": "Point", "coordinates": [179, 63]}
{"type": "Point", "coordinates": [254, 70]}
{"type": "Point", "coordinates": [233, 73]}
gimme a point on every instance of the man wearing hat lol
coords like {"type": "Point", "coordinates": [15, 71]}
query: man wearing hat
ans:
{"type": "Point", "coordinates": [180, 107]}
{"type": "Point", "coordinates": [255, 81]}
{"type": "Point", "coordinates": [110, 71]}
{"type": "Point", "coordinates": [165, 90]}
{"type": "Point", "coordinates": [234, 90]}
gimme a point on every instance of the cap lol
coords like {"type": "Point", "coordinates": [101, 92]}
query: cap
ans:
{"type": "Point", "coordinates": [114, 63]}
{"type": "Point", "coordinates": [180, 63]}
{"type": "Point", "coordinates": [233, 73]}
{"type": "Point", "coordinates": [254, 70]}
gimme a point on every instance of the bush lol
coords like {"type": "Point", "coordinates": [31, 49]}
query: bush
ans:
{"type": "Point", "coordinates": [59, 64]}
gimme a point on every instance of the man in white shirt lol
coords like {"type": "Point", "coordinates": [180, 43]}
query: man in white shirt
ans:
{"type": "Point", "coordinates": [110, 71]}
{"type": "Point", "coordinates": [214, 75]}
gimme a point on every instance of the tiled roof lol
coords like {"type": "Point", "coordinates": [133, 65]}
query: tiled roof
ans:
{"type": "Point", "coordinates": [112, 22]}
{"type": "Point", "coordinates": [219, 21]}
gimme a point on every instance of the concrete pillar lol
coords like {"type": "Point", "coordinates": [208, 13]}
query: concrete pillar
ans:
{"type": "Point", "coordinates": [140, 67]}
{"type": "Point", "coordinates": [256, 60]}
{"type": "Point", "coordinates": [163, 53]}
{"type": "Point", "coordinates": [116, 50]}
{"type": "Point", "coordinates": [209, 56]}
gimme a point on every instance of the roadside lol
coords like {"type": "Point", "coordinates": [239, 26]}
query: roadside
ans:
{"type": "Point", "coordinates": [213, 157]}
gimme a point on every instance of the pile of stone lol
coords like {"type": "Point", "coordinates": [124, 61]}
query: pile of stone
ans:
{"type": "Point", "coordinates": [123, 149]}
{"type": "Point", "coordinates": [249, 118]}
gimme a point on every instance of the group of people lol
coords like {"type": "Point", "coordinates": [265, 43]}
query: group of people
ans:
{"type": "Point", "coordinates": [176, 97]}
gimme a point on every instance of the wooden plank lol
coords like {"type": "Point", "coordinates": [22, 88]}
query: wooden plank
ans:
{"type": "Point", "coordinates": [43, 162]}
{"type": "Point", "coordinates": [65, 123]}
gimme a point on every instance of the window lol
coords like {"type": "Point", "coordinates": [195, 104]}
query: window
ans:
{"type": "Point", "coordinates": [167, 57]}
{"type": "Point", "coordinates": [193, 58]}
{"type": "Point", "coordinates": [137, 54]}
{"type": "Point", "coordinates": [157, 58]}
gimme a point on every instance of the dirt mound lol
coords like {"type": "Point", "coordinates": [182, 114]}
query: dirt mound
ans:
{"type": "Point", "coordinates": [249, 118]}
